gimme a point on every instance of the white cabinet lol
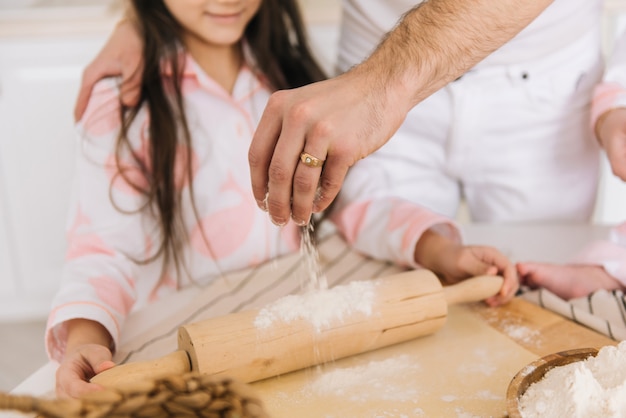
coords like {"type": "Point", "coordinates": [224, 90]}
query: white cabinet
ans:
{"type": "Point", "coordinates": [39, 79]}
{"type": "Point", "coordinates": [44, 46]}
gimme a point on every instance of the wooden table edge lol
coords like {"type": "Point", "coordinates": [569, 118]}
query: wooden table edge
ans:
{"type": "Point", "coordinates": [546, 332]}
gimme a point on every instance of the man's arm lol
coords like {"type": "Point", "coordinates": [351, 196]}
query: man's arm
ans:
{"type": "Point", "coordinates": [122, 56]}
{"type": "Point", "coordinates": [346, 118]}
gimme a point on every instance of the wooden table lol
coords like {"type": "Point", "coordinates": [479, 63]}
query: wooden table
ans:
{"type": "Point", "coordinates": [464, 369]}
{"type": "Point", "coordinates": [517, 333]}
{"type": "Point", "coordinates": [554, 243]}
{"type": "Point", "coordinates": [554, 332]}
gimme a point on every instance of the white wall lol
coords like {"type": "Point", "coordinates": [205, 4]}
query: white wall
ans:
{"type": "Point", "coordinates": [43, 51]}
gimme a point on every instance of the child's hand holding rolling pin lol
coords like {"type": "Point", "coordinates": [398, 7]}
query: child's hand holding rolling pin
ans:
{"type": "Point", "coordinates": [87, 354]}
{"type": "Point", "coordinates": [454, 262]}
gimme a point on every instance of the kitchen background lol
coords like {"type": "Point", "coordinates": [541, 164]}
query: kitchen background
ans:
{"type": "Point", "coordinates": [44, 46]}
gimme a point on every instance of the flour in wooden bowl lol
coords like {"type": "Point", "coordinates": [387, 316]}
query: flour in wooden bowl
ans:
{"type": "Point", "coordinates": [592, 388]}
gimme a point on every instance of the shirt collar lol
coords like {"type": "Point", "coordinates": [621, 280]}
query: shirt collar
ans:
{"type": "Point", "coordinates": [248, 79]}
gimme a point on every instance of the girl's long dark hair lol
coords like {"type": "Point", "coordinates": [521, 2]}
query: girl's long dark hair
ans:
{"type": "Point", "coordinates": [277, 41]}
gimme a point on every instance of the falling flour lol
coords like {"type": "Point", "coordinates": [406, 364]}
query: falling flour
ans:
{"type": "Point", "coordinates": [322, 307]}
{"type": "Point", "coordinates": [310, 259]}
{"type": "Point", "coordinates": [593, 388]}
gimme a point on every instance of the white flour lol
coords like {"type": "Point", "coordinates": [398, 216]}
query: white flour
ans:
{"type": "Point", "coordinates": [520, 332]}
{"type": "Point", "coordinates": [310, 259]}
{"type": "Point", "coordinates": [322, 307]}
{"type": "Point", "coordinates": [593, 388]}
{"type": "Point", "coordinates": [380, 380]}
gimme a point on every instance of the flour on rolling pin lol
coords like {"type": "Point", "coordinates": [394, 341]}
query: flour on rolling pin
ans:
{"type": "Point", "coordinates": [321, 308]}
{"type": "Point", "coordinates": [318, 305]}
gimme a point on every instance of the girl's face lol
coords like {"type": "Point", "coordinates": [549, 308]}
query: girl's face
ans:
{"type": "Point", "coordinates": [213, 23]}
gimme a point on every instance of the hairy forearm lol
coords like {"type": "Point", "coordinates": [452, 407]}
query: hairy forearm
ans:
{"type": "Point", "coordinates": [437, 41]}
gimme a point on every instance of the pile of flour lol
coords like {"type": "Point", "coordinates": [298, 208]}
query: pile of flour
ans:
{"type": "Point", "coordinates": [321, 308]}
{"type": "Point", "coordinates": [593, 388]}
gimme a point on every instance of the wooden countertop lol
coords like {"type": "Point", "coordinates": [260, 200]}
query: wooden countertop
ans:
{"type": "Point", "coordinates": [465, 367]}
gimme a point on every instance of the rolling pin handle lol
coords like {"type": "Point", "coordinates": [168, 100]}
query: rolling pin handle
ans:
{"type": "Point", "coordinates": [473, 290]}
{"type": "Point", "coordinates": [176, 363]}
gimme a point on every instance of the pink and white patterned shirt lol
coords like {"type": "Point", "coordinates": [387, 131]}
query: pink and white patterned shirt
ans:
{"type": "Point", "coordinates": [107, 233]}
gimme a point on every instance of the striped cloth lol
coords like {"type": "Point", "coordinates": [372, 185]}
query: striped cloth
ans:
{"type": "Point", "coordinates": [603, 311]}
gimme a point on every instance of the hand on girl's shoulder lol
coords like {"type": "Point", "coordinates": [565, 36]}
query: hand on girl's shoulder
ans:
{"type": "Point", "coordinates": [102, 115]}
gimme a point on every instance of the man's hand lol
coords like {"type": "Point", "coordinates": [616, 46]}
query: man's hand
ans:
{"type": "Point", "coordinates": [121, 56]}
{"type": "Point", "coordinates": [611, 132]}
{"type": "Point", "coordinates": [340, 120]}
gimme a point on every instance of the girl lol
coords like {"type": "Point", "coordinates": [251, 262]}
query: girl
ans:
{"type": "Point", "coordinates": [602, 264]}
{"type": "Point", "coordinates": [162, 192]}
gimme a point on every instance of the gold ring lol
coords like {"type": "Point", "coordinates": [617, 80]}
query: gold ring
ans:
{"type": "Point", "coordinates": [310, 160]}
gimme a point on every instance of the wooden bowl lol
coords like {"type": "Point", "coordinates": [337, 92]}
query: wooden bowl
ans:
{"type": "Point", "coordinates": [535, 371]}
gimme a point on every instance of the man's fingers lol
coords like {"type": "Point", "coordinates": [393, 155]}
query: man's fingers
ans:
{"type": "Point", "coordinates": [262, 148]}
{"type": "Point", "coordinates": [618, 166]}
{"type": "Point", "coordinates": [278, 199]}
{"type": "Point", "coordinates": [333, 175]}
{"type": "Point", "coordinates": [92, 74]}
{"type": "Point", "coordinates": [285, 160]}
{"type": "Point", "coordinates": [130, 92]}
{"type": "Point", "coordinates": [83, 98]}
{"type": "Point", "coordinates": [305, 184]}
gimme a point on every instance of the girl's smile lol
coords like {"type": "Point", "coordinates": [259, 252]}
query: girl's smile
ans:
{"type": "Point", "coordinates": [224, 18]}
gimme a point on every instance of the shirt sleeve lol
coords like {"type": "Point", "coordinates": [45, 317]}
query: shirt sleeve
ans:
{"type": "Point", "coordinates": [106, 231]}
{"type": "Point", "coordinates": [611, 92]}
{"type": "Point", "coordinates": [376, 218]}
{"type": "Point", "coordinates": [389, 228]}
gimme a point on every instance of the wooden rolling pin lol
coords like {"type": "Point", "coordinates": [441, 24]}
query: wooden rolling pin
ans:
{"type": "Point", "coordinates": [403, 307]}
